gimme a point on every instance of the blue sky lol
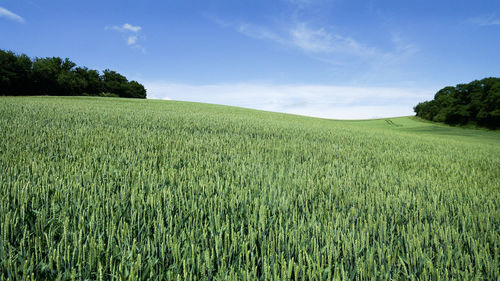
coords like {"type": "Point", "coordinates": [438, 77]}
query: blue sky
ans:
{"type": "Point", "coordinates": [333, 59]}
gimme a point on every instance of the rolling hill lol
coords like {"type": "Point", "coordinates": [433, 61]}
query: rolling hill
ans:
{"type": "Point", "coordinates": [113, 189]}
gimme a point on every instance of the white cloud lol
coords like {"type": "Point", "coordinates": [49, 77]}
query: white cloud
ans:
{"type": "Point", "coordinates": [131, 33]}
{"type": "Point", "coordinates": [4, 13]}
{"type": "Point", "coordinates": [131, 27]}
{"type": "Point", "coordinates": [321, 41]}
{"type": "Point", "coordinates": [131, 40]}
{"type": "Point", "coordinates": [316, 41]}
{"type": "Point", "coordinates": [139, 47]}
{"type": "Point", "coordinates": [403, 47]}
{"type": "Point", "coordinates": [259, 32]}
{"type": "Point", "coordinates": [485, 20]}
{"type": "Point", "coordinates": [124, 28]}
{"type": "Point", "coordinates": [325, 101]}
{"type": "Point", "coordinates": [323, 44]}
{"type": "Point", "coordinates": [250, 30]}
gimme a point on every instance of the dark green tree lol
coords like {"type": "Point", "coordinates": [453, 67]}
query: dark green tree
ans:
{"type": "Point", "coordinates": [90, 82]}
{"type": "Point", "coordinates": [477, 102]}
{"type": "Point", "coordinates": [19, 75]}
{"type": "Point", "coordinates": [14, 74]}
{"type": "Point", "coordinates": [114, 82]}
{"type": "Point", "coordinates": [137, 90]}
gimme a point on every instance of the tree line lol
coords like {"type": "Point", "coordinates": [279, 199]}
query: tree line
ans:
{"type": "Point", "coordinates": [20, 75]}
{"type": "Point", "coordinates": [477, 103]}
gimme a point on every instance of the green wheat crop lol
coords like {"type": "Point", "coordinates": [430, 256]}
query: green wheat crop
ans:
{"type": "Point", "coordinates": [112, 189]}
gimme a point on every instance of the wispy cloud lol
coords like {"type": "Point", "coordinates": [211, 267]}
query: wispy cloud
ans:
{"type": "Point", "coordinates": [125, 28]}
{"type": "Point", "coordinates": [325, 101]}
{"type": "Point", "coordinates": [323, 44]}
{"type": "Point", "coordinates": [320, 41]}
{"type": "Point", "coordinates": [315, 41]}
{"type": "Point", "coordinates": [131, 32]}
{"type": "Point", "coordinates": [4, 13]}
{"type": "Point", "coordinates": [485, 20]}
{"type": "Point", "coordinates": [259, 32]}
{"type": "Point", "coordinates": [131, 27]}
{"type": "Point", "coordinates": [132, 40]}
{"type": "Point", "coordinates": [303, 37]}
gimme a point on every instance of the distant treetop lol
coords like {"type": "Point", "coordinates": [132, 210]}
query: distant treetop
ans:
{"type": "Point", "coordinates": [22, 76]}
{"type": "Point", "coordinates": [475, 103]}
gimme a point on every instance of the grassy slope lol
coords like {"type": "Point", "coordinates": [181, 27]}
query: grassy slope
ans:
{"type": "Point", "coordinates": [98, 187]}
{"type": "Point", "coordinates": [424, 127]}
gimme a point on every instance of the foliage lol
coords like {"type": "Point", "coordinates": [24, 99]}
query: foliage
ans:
{"type": "Point", "coordinates": [477, 102]}
{"type": "Point", "coordinates": [19, 75]}
{"type": "Point", "coordinates": [114, 189]}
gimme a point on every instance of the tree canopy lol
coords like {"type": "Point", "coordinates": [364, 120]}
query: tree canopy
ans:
{"type": "Point", "coordinates": [20, 75]}
{"type": "Point", "coordinates": [475, 103]}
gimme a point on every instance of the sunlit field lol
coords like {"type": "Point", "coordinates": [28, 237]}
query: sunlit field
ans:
{"type": "Point", "coordinates": [116, 189]}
